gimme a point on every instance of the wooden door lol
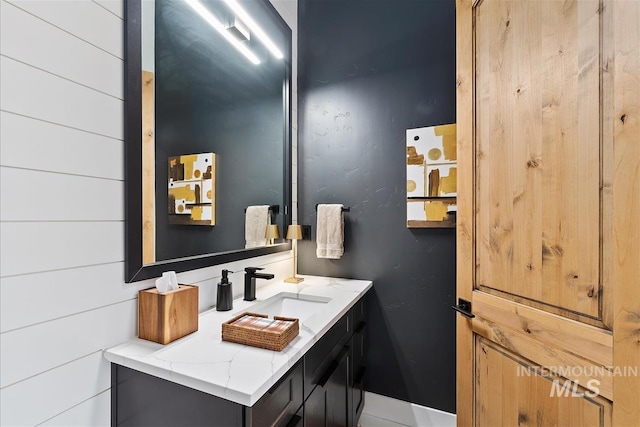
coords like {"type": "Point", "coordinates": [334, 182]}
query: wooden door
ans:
{"type": "Point", "coordinates": [548, 212]}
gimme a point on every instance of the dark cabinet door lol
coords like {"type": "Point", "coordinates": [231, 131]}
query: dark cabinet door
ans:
{"type": "Point", "coordinates": [338, 393]}
{"type": "Point", "coordinates": [298, 419]}
{"type": "Point", "coordinates": [327, 405]}
{"type": "Point", "coordinates": [318, 360]}
{"type": "Point", "coordinates": [280, 404]}
{"type": "Point", "coordinates": [356, 375]}
{"type": "Point", "coordinates": [315, 408]}
{"type": "Point", "coordinates": [356, 392]}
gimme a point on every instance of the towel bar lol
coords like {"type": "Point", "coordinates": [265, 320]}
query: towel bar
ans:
{"type": "Point", "coordinates": [347, 209]}
{"type": "Point", "coordinates": [274, 209]}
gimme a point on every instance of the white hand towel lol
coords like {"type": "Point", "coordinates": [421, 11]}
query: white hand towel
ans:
{"type": "Point", "coordinates": [330, 232]}
{"type": "Point", "coordinates": [255, 226]}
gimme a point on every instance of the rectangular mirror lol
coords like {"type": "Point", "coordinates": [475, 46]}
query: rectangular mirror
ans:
{"type": "Point", "coordinates": [206, 80]}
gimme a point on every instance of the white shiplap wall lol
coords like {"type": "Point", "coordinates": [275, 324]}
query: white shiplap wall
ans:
{"type": "Point", "coordinates": [62, 295]}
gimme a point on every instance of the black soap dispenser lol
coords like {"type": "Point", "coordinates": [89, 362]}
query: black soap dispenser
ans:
{"type": "Point", "coordinates": [224, 301]}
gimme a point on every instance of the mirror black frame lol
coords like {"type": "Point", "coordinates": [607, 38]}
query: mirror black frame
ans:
{"type": "Point", "coordinates": [135, 270]}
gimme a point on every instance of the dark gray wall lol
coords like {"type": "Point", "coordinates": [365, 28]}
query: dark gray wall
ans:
{"type": "Point", "coordinates": [368, 70]}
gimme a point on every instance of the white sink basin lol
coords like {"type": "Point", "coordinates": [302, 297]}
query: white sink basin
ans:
{"type": "Point", "coordinates": [291, 305]}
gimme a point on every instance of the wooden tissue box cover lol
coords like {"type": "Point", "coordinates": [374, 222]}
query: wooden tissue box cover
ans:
{"type": "Point", "coordinates": [163, 318]}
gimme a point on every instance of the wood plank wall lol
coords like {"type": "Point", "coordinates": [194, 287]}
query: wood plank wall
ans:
{"type": "Point", "coordinates": [62, 295]}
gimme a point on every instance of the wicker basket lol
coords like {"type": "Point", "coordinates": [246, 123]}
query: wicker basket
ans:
{"type": "Point", "coordinates": [251, 329]}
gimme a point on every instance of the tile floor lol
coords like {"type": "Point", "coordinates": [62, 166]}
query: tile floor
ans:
{"type": "Point", "coordinates": [367, 420]}
{"type": "Point", "coordinates": [382, 411]}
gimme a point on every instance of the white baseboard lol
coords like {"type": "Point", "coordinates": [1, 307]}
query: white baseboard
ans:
{"type": "Point", "coordinates": [406, 413]}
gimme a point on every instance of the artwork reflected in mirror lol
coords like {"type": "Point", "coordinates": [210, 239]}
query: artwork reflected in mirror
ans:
{"type": "Point", "coordinates": [431, 176]}
{"type": "Point", "coordinates": [214, 79]}
{"type": "Point", "coordinates": [192, 189]}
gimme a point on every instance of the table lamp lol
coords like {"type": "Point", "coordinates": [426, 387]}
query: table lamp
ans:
{"type": "Point", "coordinates": [272, 233]}
{"type": "Point", "coordinates": [294, 233]}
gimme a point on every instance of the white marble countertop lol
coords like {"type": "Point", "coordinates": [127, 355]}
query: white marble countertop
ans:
{"type": "Point", "coordinates": [236, 372]}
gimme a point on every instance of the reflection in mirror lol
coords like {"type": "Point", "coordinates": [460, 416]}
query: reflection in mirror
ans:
{"type": "Point", "coordinates": [214, 131]}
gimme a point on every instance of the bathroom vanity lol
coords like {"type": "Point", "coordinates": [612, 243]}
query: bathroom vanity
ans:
{"type": "Point", "coordinates": [317, 380]}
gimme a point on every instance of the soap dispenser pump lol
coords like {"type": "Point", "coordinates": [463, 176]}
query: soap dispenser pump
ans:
{"type": "Point", "coordinates": [224, 301]}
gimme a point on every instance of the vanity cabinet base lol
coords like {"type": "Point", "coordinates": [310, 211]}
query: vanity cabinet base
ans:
{"type": "Point", "coordinates": [139, 399]}
{"type": "Point", "coordinates": [325, 388]}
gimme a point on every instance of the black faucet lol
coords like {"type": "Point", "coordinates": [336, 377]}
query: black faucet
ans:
{"type": "Point", "coordinates": [250, 276]}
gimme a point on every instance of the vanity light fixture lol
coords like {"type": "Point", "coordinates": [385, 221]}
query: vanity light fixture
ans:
{"type": "Point", "coordinates": [272, 233]}
{"type": "Point", "coordinates": [254, 27]}
{"type": "Point", "coordinates": [239, 30]}
{"type": "Point", "coordinates": [213, 21]}
{"type": "Point", "coordinates": [294, 233]}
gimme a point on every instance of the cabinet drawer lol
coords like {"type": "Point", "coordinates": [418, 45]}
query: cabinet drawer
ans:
{"type": "Point", "coordinates": [279, 404]}
{"type": "Point", "coordinates": [323, 353]}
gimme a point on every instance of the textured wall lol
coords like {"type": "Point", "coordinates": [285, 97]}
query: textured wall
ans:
{"type": "Point", "coordinates": [368, 71]}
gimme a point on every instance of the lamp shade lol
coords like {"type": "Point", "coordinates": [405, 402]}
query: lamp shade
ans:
{"type": "Point", "coordinates": [272, 232]}
{"type": "Point", "coordinates": [294, 232]}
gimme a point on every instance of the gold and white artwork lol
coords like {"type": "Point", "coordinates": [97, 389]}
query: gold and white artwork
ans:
{"type": "Point", "coordinates": [431, 176]}
{"type": "Point", "coordinates": [192, 189]}
{"type": "Point", "coordinates": [415, 180]}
